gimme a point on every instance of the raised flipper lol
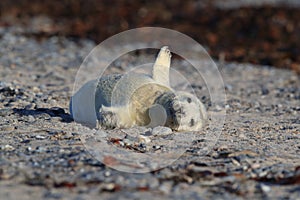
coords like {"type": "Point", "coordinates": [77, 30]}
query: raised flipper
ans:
{"type": "Point", "coordinates": [161, 67]}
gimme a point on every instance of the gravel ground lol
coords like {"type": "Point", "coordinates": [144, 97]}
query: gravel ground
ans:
{"type": "Point", "coordinates": [42, 156]}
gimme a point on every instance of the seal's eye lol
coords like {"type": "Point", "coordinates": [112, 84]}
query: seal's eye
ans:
{"type": "Point", "coordinates": [189, 100]}
{"type": "Point", "coordinates": [192, 122]}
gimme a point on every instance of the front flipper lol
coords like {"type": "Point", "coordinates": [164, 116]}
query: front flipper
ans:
{"type": "Point", "coordinates": [115, 117]}
{"type": "Point", "coordinates": [161, 67]}
{"type": "Point", "coordinates": [108, 118]}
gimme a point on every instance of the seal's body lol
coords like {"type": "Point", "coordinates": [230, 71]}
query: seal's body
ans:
{"type": "Point", "coordinates": [133, 99]}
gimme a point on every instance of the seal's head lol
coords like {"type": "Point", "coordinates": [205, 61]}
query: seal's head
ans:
{"type": "Point", "coordinates": [184, 111]}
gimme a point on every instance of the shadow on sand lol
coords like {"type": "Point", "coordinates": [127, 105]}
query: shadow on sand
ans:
{"type": "Point", "coordinates": [52, 112]}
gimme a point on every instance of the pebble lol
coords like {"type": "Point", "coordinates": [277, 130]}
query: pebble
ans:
{"type": "Point", "coordinates": [107, 173]}
{"type": "Point", "coordinates": [242, 136]}
{"type": "Point", "coordinates": [265, 188]}
{"type": "Point", "coordinates": [144, 139]}
{"type": "Point", "coordinates": [53, 102]}
{"type": "Point", "coordinates": [7, 128]}
{"type": "Point", "coordinates": [40, 149]}
{"type": "Point", "coordinates": [156, 147]}
{"type": "Point", "coordinates": [44, 116]}
{"type": "Point", "coordinates": [264, 91]}
{"type": "Point", "coordinates": [255, 166]}
{"type": "Point", "coordinates": [153, 182]}
{"type": "Point", "coordinates": [161, 130]}
{"type": "Point", "coordinates": [108, 187]}
{"type": "Point", "coordinates": [218, 108]}
{"type": "Point", "coordinates": [128, 142]}
{"type": "Point", "coordinates": [5, 112]}
{"type": "Point", "coordinates": [40, 137]}
{"type": "Point", "coordinates": [30, 118]}
{"type": "Point", "coordinates": [166, 187]}
{"type": "Point", "coordinates": [7, 147]}
{"type": "Point", "coordinates": [35, 89]}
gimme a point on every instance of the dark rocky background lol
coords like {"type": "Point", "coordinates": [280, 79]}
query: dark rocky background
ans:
{"type": "Point", "coordinates": [258, 32]}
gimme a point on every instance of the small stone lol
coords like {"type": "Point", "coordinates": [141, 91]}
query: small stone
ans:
{"type": "Point", "coordinates": [263, 174]}
{"type": "Point", "coordinates": [156, 147]}
{"type": "Point", "coordinates": [58, 110]}
{"type": "Point", "coordinates": [35, 89]}
{"type": "Point", "coordinates": [143, 147]}
{"type": "Point", "coordinates": [266, 125]}
{"type": "Point", "coordinates": [108, 187]}
{"type": "Point", "coordinates": [228, 87]}
{"type": "Point", "coordinates": [53, 102]}
{"type": "Point", "coordinates": [107, 173]}
{"type": "Point", "coordinates": [161, 130]}
{"type": "Point", "coordinates": [242, 136]}
{"type": "Point", "coordinates": [265, 188]}
{"type": "Point", "coordinates": [121, 143]}
{"type": "Point", "coordinates": [235, 162]}
{"type": "Point", "coordinates": [5, 112]}
{"type": "Point", "coordinates": [130, 137]}
{"type": "Point", "coordinates": [136, 131]}
{"type": "Point", "coordinates": [245, 168]}
{"type": "Point", "coordinates": [31, 118]}
{"type": "Point", "coordinates": [7, 128]}
{"type": "Point", "coordinates": [40, 149]}
{"type": "Point", "coordinates": [218, 108]}
{"type": "Point", "coordinates": [40, 137]}
{"type": "Point", "coordinates": [56, 118]}
{"type": "Point", "coordinates": [30, 106]}
{"type": "Point", "coordinates": [8, 147]}
{"type": "Point", "coordinates": [223, 147]}
{"type": "Point", "coordinates": [166, 187]}
{"type": "Point", "coordinates": [264, 91]}
{"type": "Point", "coordinates": [153, 183]}
{"type": "Point", "coordinates": [144, 139]}
{"type": "Point", "coordinates": [255, 166]}
{"type": "Point", "coordinates": [127, 142]}
{"type": "Point", "coordinates": [44, 116]}
{"type": "Point", "coordinates": [25, 141]}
